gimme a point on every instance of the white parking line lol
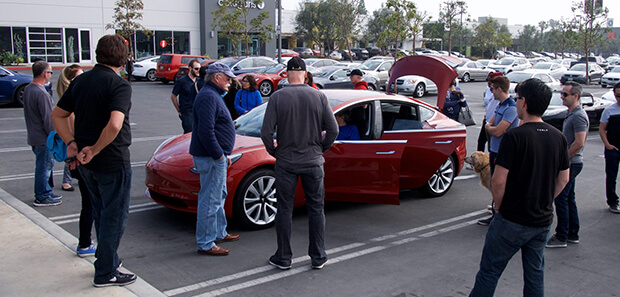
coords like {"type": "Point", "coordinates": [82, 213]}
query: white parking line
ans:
{"type": "Point", "coordinates": [12, 119]}
{"type": "Point", "coordinates": [13, 131]}
{"type": "Point", "coordinates": [55, 172]}
{"type": "Point", "coordinates": [332, 261]}
{"type": "Point", "coordinates": [138, 139]}
{"type": "Point", "coordinates": [72, 218]}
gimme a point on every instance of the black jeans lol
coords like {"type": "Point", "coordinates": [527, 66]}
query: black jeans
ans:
{"type": "Point", "coordinates": [312, 183]}
{"type": "Point", "coordinates": [86, 214]}
{"type": "Point", "coordinates": [612, 159]}
{"type": "Point", "coordinates": [482, 137]}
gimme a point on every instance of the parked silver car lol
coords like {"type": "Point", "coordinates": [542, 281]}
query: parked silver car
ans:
{"type": "Point", "coordinates": [414, 84]}
{"type": "Point", "coordinates": [471, 70]}
{"type": "Point", "coordinates": [509, 64]}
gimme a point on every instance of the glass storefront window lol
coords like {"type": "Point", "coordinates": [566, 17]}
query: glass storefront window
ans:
{"type": "Point", "coordinates": [45, 44]}
{"type": "Point", "coordinates": [144, 45]}
{"type": "Point", "coordinates": [85, 44]}
{"type": "Point", "coordinates": [225, 47]}
{"type": "Point", "coordinates": [163, 36]}
{"type": "Point", "coordinates": [71, 43]}
{"type": "Point", "coordinates": [5, 40]}
{"type": "Point", "coordinates": [19, 42]}
{"type": "Point", "coordinates": [181, 43]}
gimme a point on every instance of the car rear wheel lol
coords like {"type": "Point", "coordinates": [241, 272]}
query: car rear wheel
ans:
{"type": "Point", "coordinates": [466, 77]}
{"type": "Point", "coordinates": [420, 90]}
{"type": "Point", "coordinates": [255, 203]}
{"type": "Point", "coordinates": [442, 179]}
{"type": "Point", "coordinates": [371, 87]}
{"type": "Point", "coordinates": [150, 75]}
{"type": "Point", "coordinates": [265, 88]}
{"type": "Point", "coordinates": [19, 96]}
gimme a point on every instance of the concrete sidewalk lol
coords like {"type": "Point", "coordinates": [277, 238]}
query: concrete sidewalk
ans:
{"type": "Point", "coordinates": [38, 258]}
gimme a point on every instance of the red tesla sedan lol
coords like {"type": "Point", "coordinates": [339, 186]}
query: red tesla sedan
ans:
{"type": "Point", "coordinates": [404, 144]}
{"type": "Point", "coordinates": [267, 79]}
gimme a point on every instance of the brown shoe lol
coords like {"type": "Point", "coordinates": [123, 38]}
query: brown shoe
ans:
{"type": "Point", "coordinates": [214, 251]}
{"type": "Point", "coordinates": [228, 237]}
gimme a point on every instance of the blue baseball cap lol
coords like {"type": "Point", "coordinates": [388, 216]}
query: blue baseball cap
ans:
{"type": "Point", "coordinates": [219, 67]}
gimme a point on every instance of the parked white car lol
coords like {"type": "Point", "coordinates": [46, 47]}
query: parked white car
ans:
{"type": "Point", "coordinates": [378, 68]}
{"type": "Point", "coordinates": [516, 77]}
{"type": "Point", "coordinates": [556, 70]}
{"type": "Point", "coordinates": [611, 78]}
{"type": "Point", "coordinates": [414, 84]}
{"type": "Point", "coordinates": [509, 64]}
{"type": "Point", "coordinates": [335, 55]}
{"type": "Point", "coordinates": [144, 68]}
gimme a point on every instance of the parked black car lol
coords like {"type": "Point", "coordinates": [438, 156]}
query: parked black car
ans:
{"type": "Point", "coordinates": [557, 112]}
{"type": "Point", "coordinates": [303, 51]}
{"type": "Point", "coordinates": [373, 51]}
{"type": "Point", "coordinates": [335, 77]}
{"type": "Point", "coordinates": [578, 73]}
{"type": "Point", "coordinates": [360, 53]}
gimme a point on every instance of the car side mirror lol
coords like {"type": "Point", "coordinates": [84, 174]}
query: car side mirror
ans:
{"type": "Point", "coordinates": [379, 70]}
{"type": "Point", "coordinates": [332, 78]}
{"type": "Point", "coordinates": [236, 68]}
{"type": "Point", "coordinates": [284, 74]}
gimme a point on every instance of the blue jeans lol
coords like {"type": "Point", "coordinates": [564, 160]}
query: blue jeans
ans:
{"type": "Point", "coordinates": [109, 195]}
{"type": "Point", "coordinates": [612, 158]}
{"type": "Point", "coordinates": [187, 117]}
{"type": "Point", "coordinates": [44, 165]}
{"type": "Point", "coordinates": [211, 218]}
{"type": "Point", "coordinates": [504, 239]}
{"type": "Point", "coordinates": [566, 208]}
{"type": "Point", "coordinates": [312, 183]}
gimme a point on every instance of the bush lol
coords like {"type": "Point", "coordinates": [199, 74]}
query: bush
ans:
{"type": "Point", "coordinates": [8, 58]}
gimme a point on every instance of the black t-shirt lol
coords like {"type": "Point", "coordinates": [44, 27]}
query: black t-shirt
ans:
{"type": "Point", "coordinates": [92, 96]}
{"type": "Point", "coordinates": [534, 154]}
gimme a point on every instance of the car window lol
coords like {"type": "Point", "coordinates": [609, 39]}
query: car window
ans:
{"type": "Point", "coordinates": [165, 59]}
{"type": "Point", "coordinates": [340, 73]}
{"type": "Point", "coordinates": [425, 113]}
{"type": "Point", "coordinates": [587, 100]}
{"type": "Point", "coordinates": [470, 65]}
{"type": "Point", "coordinates": [250, 123]}
{"type": "Point", "coordinates": [263, 63]}
{"type": "Point", "coordinates": [478, 65]}
{"type": "Point", "coordinates": [545, 78]}
{"type": "Point", "coordinates": [386, 66]}
{"type": "Point", "coordinates": [247, 63]}
{"type": "Point", "coordinates": [400, 116]}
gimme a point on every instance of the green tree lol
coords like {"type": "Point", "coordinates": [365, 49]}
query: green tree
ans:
{"type": "Point", "coordinates": [347, 18]}
{"type": "Point", "coordinates": [377, 24]}
{"type": "Point", "coordinates": [490, 36]}
{"type": "Point", "coordinates": [433, 30]}
{"type": "Point", "coordinates": [398, 22]}
{"type": "Point", "coordinates": [233, 19]}
{"type": "Point", "coordinates": [127, 13]}
{"type": "Point", "coordinates": [315, 21]}
{"type": "Point", "coordinates": [416, 25]}
{"type": "Point", "coordinates": [448, 13]}
{"type": "Point", "coordinates": [591, 22]}
{"type": "Point", "coordinates": [527, 38]}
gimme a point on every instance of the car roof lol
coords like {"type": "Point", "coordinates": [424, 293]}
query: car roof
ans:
{"type": "Point", "coordinates": [339, 97]}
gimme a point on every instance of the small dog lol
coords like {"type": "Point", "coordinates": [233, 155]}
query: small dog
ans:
{"type": "Point", "coordinates": [480, 162]}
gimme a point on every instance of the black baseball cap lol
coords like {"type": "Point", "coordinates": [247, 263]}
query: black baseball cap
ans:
{"type": "Point", "coordinates": [356, 72]}
{"type": "Point", "coordinates": [296, 64]}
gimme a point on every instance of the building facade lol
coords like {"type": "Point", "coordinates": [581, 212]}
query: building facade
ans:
{"type": "Point", "coordinates": [67, 31]}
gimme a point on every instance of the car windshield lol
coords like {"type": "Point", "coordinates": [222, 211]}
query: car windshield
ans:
{"type": "Point", "coordinates": [505, 61]}
{"type": "Point", "coordinates": [250, 123]}
{"type": "Point", "coordinates": [544, 66]}
{"type": "Point", "coordinates": [144, 58]}
{"type": "Point", "coordinates": [578, 67]}
{"type": "Point", "coordinates": [516, 77]}
{"type": "Point", "coordinates": [616, 69]}
{"type": "Point", "coordinates": [322, 73]}
{"type": "Point", "coordinates": [274, 69]}
{"type": "Point", "coordinates": [228, 61]}
{"type": "Point", "coordinates": [370, 65]}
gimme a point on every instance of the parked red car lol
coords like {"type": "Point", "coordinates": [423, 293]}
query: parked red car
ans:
{"type": "Point", "coordinates": [184, 70]}
{"type": "Point", "coordinates": [267, 80]}
{"type": "Point", "coordinates": [405, 143]}
{"type": "Point", "coordinates": [287, 53]}
{"type": "Point", "coordinates": [169, 64]}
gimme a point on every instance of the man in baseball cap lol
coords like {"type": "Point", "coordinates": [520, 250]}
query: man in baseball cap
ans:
{"type": "Point", "coordinates": [356, 79]}
{"type": "Point", "coordinates": [213, 138]}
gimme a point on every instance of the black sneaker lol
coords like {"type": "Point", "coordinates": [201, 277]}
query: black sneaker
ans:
{"type": "Point", "coordinates": [278, 264]}
{"type": "Point", "coordinates": [554, 242]}
{"type": "Point", "coordinates": [121, 279]}
{"type": "Point", "coordinates": [320, 266]}
{"type": "Point", "coordinates": [572, 240]}
{"type": "Point", "coordinates": [485, 222]}
{"type": "Point", "coordinates": [49, 201]}
{"type": "Point", "coordinates": [614, 208]}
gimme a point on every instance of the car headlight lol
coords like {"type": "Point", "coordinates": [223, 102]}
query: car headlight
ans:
{"type": "Point", "coordinates": [410, 81]}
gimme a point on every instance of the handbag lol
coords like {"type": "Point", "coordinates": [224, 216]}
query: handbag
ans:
{"type": "Point", "coordinates": [57, 147]}
{"type": "Point", "coordinates": [465, 117]}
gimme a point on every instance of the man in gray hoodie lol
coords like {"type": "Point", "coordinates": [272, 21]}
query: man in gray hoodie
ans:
{"type": "Point", "coordinates": [300, 114]}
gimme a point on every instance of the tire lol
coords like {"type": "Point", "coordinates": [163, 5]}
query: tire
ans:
{"type": "Point", "coordinates": [150, 75]}
{"type": "Point", "coordinates": [255, 204]}
{"type": "Point", "coordinates": [265, 88]}
{"type": "Point", "coordinates": [603, 86]}
{"type": "Point", "coordinates": [165, 81]}
{"type": "Point", "coordinates": [442, 179]}
{"type": "Point", "coordinates": [372, 87]}
{"type": "Point", "coordinates": [18, 96]}
{"type": "Point", "coordinates": [420, 90]}
{"type": "Point", "coordinates": [466, 77]}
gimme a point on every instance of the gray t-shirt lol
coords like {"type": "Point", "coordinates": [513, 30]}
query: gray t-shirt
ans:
{"type": "Point", "coordinates": [38, 105]}
{"type": "Point", "coordinates": [300, 114]}
{"type": "Point", "coordinates": [576, 121]}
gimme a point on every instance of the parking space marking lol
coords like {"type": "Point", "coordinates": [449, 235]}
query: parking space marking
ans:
{"type": "Point", "coordinates": [13, 131]}
{"type": "Point", "coordinates": [55, 172]}
{"type": "Point", "coordinates": [332, 261]}
{"type": "Point", "coordinates": [11, 119]}
{"type": "Point", "coordinates": [138, 139]}
{"type": "Point", "coordinates": [71, 218]}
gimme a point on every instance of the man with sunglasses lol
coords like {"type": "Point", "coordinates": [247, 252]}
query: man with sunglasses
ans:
{"type": "Point", "coordinates": [574, 129]}
{"type": "Point", "coordinates": [187, 87]}
{"type": "Point", "coordinates": [212, 141]}
{"type": "Point", "coordinates": [609, 130]}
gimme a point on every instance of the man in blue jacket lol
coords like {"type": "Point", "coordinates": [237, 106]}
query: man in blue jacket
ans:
{"type": "Point", "coordinates": [213, 138]}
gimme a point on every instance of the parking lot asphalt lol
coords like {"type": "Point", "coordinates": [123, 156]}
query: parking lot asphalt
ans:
{"type": "Point", "coordinates": [423, 247]}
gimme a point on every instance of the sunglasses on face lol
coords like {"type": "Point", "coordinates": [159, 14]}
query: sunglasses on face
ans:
{"type": "Point", "coordinates": [196, 68]}
{"type": "Point", "coordinates": [564, 94]}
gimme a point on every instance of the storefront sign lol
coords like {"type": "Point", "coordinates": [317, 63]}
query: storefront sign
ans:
{"type": "Point", "coordinates": [163, 43]}
{"type": "Point", "coordinates": [249, 4]}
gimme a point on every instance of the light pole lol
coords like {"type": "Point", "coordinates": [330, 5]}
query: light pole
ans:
{"type": "Point", "coordinates": [279, 29]}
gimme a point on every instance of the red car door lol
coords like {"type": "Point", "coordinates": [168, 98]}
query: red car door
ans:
{"type": "Point", "coordinates": [364, 171]}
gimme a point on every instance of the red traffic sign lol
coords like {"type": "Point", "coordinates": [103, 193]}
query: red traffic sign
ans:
{"type": "Point", "coordinates": [163, 43]}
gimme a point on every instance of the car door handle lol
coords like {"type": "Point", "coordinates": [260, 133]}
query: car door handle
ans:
{"type": "Point", "coordinates": [386, 153]}
{"type": "Point", "coordinates": [443, 142]}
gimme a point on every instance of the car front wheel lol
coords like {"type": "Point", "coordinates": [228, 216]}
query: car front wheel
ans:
{"type": "Point", "coordinates": [466, 77]}
{"type": "Point", "coordinates": [420, 90]}
{"type": "Point", "coordinates": [372, 87]}
{"type": "Point", "coordinates": [442, 179]}
{"type": "Point", "coordinates": [150, 75]}
{"type": "Point", "coordinates": [265, 88]}
{"type": "Point", "coordinates": [19, 96]}
{"type": "Point", "coordinates": [255, 203]}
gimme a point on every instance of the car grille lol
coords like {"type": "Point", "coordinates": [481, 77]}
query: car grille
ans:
{"type": "Point", "coordinates": [400, 81]}
{"type": "Point", "coordinates": [572, 75]}
{"type": "Point", "coordinates": [612, 79]}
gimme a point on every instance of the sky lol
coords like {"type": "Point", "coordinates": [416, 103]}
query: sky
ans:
{"type": "Point", "coordinates": [522, 12]}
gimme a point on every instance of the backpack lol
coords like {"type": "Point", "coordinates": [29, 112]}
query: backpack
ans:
{"type": "Point", "coordinates": [57, 147]}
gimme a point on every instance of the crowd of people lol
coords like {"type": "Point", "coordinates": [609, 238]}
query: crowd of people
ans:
{"type": "Point", "coordinates": [533, 165]}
